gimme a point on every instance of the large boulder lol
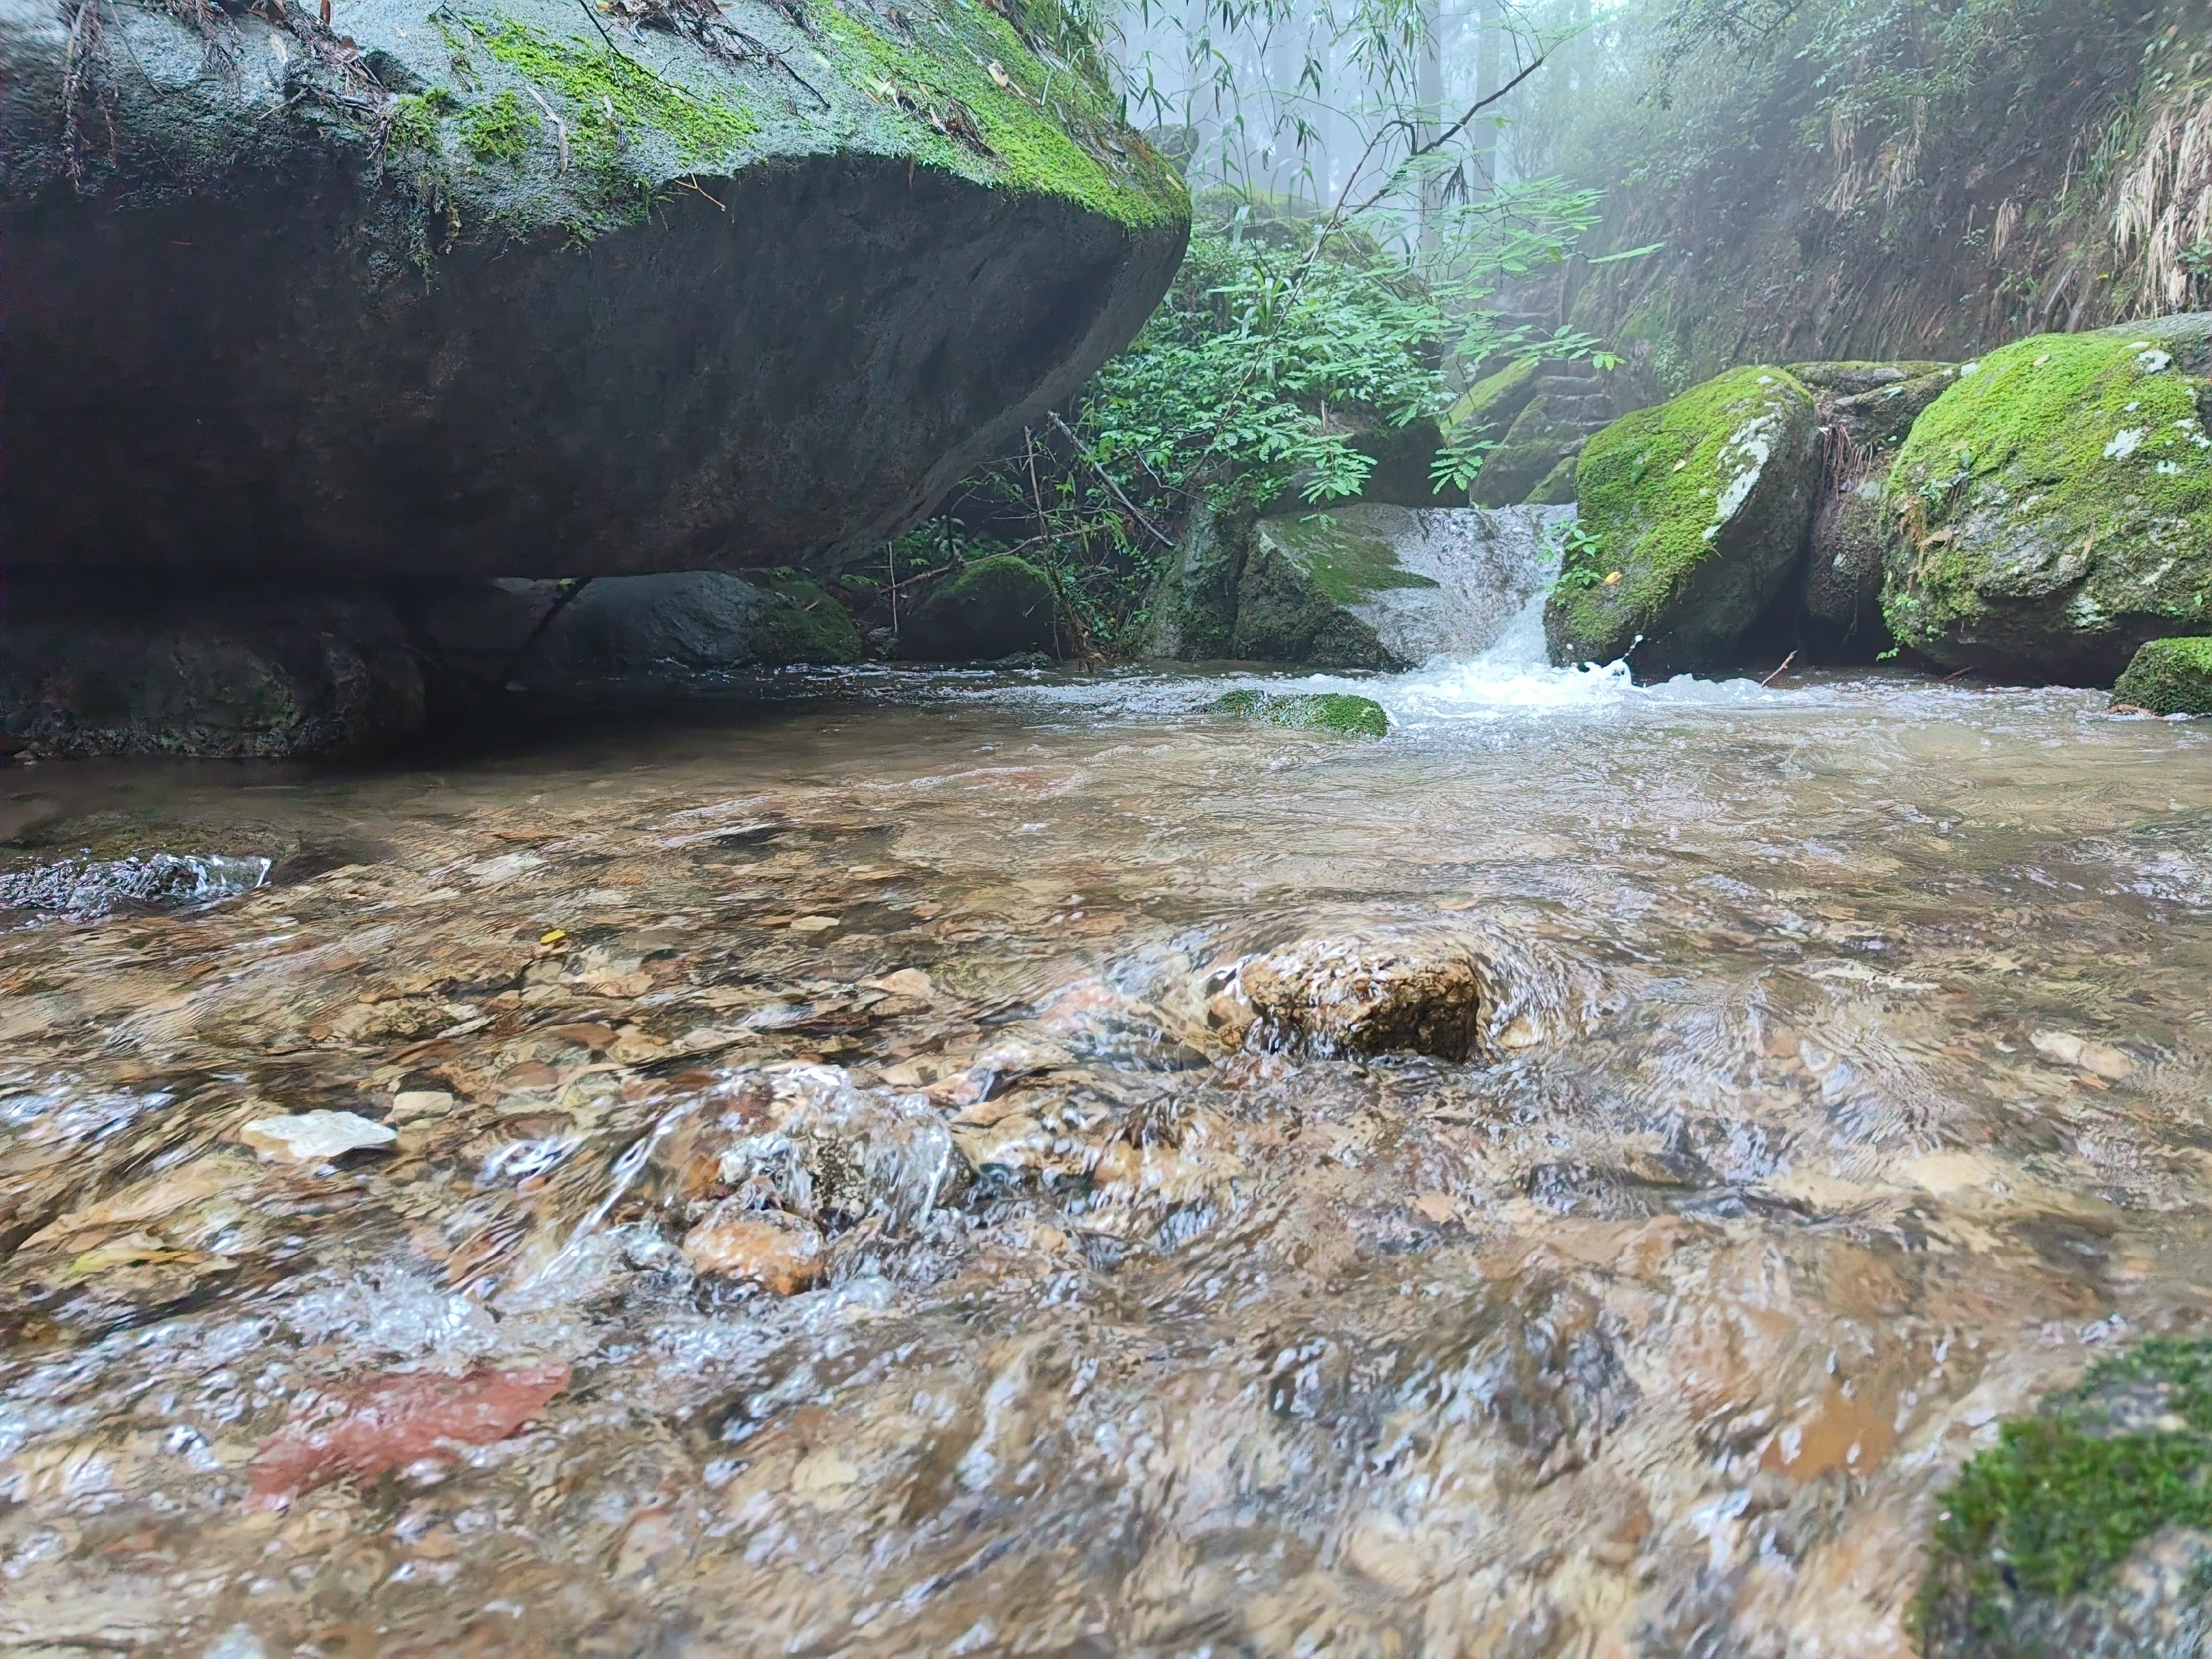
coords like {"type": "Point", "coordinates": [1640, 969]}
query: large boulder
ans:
{"type": "Point", "coordinates": [543, 288]}
{"type": "Point", "coordinates": [1693, 515]}
{"type": "Point", "coordinates": [1001, 606]}
{"type": "Point", "coordinates": [2168, 677]}
{"type": "Point", "coordinates": [85, 670]}
{"type": "Point", "coordinates": [2053, 510]}
{"type": "Point", "coordinates": [1367, 586]}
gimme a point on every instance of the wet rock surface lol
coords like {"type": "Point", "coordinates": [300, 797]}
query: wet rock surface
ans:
{"type": "Point", "coordinates": [243, 674]}
{"type": "Point", "coordinates": [1827, 1117]}
{"type": "Point", "coordinates": [1691, 518]}
{"type": "Point", "coordinates": [1359, 585]}
{"type": "Point", "coordinates": [1372, 996]}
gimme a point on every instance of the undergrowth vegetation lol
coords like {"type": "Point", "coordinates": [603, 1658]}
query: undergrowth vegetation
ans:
{"type": "Point", "coordinates": [1289, 343]}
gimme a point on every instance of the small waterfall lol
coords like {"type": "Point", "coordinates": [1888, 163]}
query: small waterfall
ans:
{"type": "Point", "coordinates": [1462, 574]}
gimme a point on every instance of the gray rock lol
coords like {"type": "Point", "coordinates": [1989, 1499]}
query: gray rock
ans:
{"type": "Point", "coordinates": [688, 623]}
{"type": "Point", "coordinates": [997, 607]}
{"type": "Point", "coordinates": [528, 290]}
{"type": "Point", "coordinates": [236, 674]}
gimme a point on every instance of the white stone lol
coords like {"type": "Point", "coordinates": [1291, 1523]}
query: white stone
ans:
{"type": "Point", "coordinates": [314, 1137]}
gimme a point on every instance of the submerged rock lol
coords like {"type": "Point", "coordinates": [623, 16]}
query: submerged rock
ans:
{"type": "Point", "coordinates": [997, 607]}
{"type": "Point", "coordinates": [2169, 677]}
{"type": "Point", "coordinates": [1692, 515]}
{"type": "Point", "coordinates": [2053, 510]}
{"type": "Point", "coordinates": [543, 289]}
{"type": "Point", "coordinates": [1360, 586]}
{"type": "Point", "coordinates": [1324, 711]}
{"type": "Point", "coordinates": [315, 1137]}
{"type": "Point", "coordinates": [780, 1253]}
{"type": "Point", "coordinates": [1370, 995]}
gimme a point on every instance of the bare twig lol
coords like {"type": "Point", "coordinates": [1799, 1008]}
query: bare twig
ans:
{"type": "Point", "coordinates": [1779, 667]}
{"type": "Point", "coordinates": [1164, 539]}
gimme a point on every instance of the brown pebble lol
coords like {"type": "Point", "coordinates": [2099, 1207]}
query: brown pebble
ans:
{"type": "Point", "coordinates": [778, 1252]}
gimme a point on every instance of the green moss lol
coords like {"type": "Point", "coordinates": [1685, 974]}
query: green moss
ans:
{"type": "Point", "coordinates": [1655, 491]}
{"type": "Point", "coordinates": [1346, 566]}
{"type": "Point", "coordinates": [962, 119]}
{"type": "Point", "coordinates": [1492, 401]}
{"type": "Point", "coordinates": [2064, 1496]}
{"type": "Point", "coordinates": [500, 130]}
{"type": "Point", "coordinates": [996, 607]}
{"type": "Point", "coordinates": [1321, 711]}
{"type": "Point", "coordinates": [413, 123]}
{"type": "Point", "coordinates": [2169, 677]}
{"type": "Point", "coordinates": [598, 81]}
{"type": "Point", "coordinates": [805, 623]}
{"type": "Point", "coordinates": [2064, 484]}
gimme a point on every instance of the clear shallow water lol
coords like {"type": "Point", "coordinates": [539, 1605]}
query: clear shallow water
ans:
{"type": "Point", "coordinates": [1855, 1092]}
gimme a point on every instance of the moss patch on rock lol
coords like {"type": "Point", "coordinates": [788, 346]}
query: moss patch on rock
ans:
{"type": "Point", "coordinates": [1693, 513]}
{"type": "Point", "coordinates": [997, 607]}
{"type": "Point", "coordinates": [2040, 1520]}
{"type": "Point", "coordinates": [1321, 711]}
{"type": "Point", "coordinates": [2169, 677]}
{"type": "Point", "coordinates": [2053, 508]}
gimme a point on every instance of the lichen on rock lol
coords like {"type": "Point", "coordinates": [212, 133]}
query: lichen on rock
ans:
{"type": "Point", "coordinates": [1693, 515]}
{"type": "Point", "coordinates": [2052, 509]}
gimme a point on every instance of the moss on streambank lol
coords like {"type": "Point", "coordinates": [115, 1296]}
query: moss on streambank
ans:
{"type": "Point", "coordinates": [2169, 677]}
{"type": "Point", "coordinates": [2064, 1496]}
{"type": "Point", "coordinates": [1321, 711]}
{"type": "Point", "coordinates": [2053, 508]}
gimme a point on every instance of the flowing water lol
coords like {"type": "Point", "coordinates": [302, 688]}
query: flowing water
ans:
{"type": "Point", "coordinates": [1848, 1091]}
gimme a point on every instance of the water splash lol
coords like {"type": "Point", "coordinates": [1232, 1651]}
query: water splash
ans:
{"type": "Point", "coordinates": [87, 887]}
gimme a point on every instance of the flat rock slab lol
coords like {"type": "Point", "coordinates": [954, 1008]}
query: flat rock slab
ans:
{"type": "Point", "coordinates": [315, 1137]}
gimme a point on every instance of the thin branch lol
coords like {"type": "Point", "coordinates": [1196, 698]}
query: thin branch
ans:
{"type": "Point", "coordinates": [1164, 539]}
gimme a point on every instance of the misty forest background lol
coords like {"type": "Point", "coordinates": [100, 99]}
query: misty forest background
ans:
{"type": "Point", "coordinates": [1398, 198]}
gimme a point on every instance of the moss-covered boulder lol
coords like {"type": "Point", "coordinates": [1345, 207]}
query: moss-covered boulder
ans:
{"type": "Point", "coordinates": [1316, 711]}
{"type": "Point", "coordinates": [1001, 606]}
{"type": "Point", "coordinates": [2088, 1527]}
{"type": "Point", "coordinates": [1691, 517]}
{"type": "Point", "coordinates": [2053, 510]}
{"type": "Point", "coordinates": [2168, 677]}
{"type": "Point", "coordinates": [510, 288]}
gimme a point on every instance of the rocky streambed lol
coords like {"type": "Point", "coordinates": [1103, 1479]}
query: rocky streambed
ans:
{"type": "Point", "coordinates": [931, 1166]}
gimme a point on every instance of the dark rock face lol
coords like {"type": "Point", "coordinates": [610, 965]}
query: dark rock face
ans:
{"type": "Point", "coordinates": [690, 622]}
{"type": "Point", "coordinates": [1866, 410]}
{"type": "Point", "coordinates": [575, 304]}
{"type": "Point", "coordinates": [997, 607]}
{"type": "Point", "coordinates": [233, 676]}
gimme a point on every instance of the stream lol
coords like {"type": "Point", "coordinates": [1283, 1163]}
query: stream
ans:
{"type": "Point", "coordinates": [1847, 1091]}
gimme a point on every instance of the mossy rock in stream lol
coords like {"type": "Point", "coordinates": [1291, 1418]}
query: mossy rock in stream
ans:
{"type": "Point", "coordinates": [2169, 677]}
{"type": "Point", "coordinates": [531, 288]}
{"type": "Point", "coordinates": [1319, 711]}
{"type": "Point", "coordinates": [2086, 1529]}
{"type": "Point", "coordinates": [1691, 517]}
{"type": "Point", "coordinates": [997, 607]}
{"type": "Point", "coordinates": [2053, 510]}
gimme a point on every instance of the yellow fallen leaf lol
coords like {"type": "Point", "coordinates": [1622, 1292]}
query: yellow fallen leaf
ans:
{"type": "Point", "coordinates": [1612, 578]}
{"type": "Point", "coordinates": [997, 73]}
{"type": "Point", "coordinates": [553, 936]}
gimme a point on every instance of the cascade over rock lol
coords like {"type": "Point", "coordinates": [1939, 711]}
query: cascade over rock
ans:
{"type": "Point", "coordinates": [2053, 510]}
{"type": "Point", "coordinates": [1367, 586]}
{"type": "Point", "coordinates": [513, 288]}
